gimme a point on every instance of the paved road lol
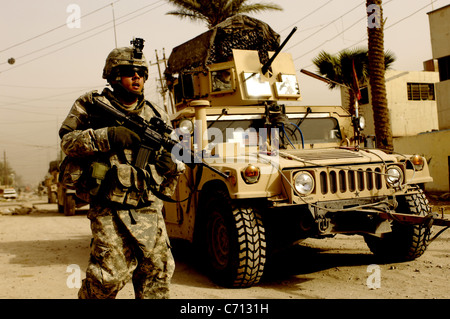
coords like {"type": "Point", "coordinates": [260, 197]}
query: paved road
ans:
{"type": "Point", "coordinates": [42, 253]}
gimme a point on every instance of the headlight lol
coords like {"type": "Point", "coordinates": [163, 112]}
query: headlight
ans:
{"type": "Point", "coordinates": [418, 162]}
{"type": "Point", "coordinates": [251, 174]}
{"type": "Point", "coordinates": [362, 122]}
{"type": "Point", "coordinates": [304, 183]}
{"type": "Point", "coordinates": [186, 126]}
{"type": "Point", "coordinates": [394, 176]}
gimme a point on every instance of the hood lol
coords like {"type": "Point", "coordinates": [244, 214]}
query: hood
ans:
{"type": "Point", "coordinates": [331, 157]}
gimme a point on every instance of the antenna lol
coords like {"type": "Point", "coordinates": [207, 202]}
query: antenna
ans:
{"type": "Point", "coordinates": [114, 24]}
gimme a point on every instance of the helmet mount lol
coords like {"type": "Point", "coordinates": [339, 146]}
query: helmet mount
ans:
{"type": "Point", "coordinates": [125, 57]}
{"type": "Point", "coordinates": [138, 45]}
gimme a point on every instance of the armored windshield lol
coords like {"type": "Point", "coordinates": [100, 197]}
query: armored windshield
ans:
{"type": "Point", "coordinates": [247, 129]}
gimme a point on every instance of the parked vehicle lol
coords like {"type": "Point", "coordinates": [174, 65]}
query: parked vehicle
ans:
{"type": "Point", "coordinates": [67, 200]}
{"type": "Point", "coordinates": [294, 171]}
{"type": "Point", "coordinates": [9, 193]}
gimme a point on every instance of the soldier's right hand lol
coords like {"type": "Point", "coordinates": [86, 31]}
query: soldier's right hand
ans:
{"type": "Point", "coordinates": [120, 138]}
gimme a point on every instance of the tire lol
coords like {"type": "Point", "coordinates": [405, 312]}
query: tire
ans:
{"type": "Point", "coordinates": [235, 243]}
{"type": "Point", "coordinates": [405, 242]}
{"type": "Point", "coordinates": [69, 205]}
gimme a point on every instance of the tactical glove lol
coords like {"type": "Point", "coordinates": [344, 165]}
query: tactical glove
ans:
{"type": "Point", "coordinates": [120, 137]}
{"type": "Point", "coordinates": [164, 163]}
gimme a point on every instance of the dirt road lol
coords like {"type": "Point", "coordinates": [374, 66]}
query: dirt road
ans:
{"type": "Point", "coordinates": [43, 254]}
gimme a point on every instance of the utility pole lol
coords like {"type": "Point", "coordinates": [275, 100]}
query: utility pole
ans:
{"type": "Point", "coordinates": [172, 103]}
{"type": "Point", "coordinates": [163, 90]}
{"type": "Point", "coordinates": [5, 171]}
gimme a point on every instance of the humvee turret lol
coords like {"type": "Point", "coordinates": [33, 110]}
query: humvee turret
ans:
{"type": "Point", "coordinates": [292, 171]}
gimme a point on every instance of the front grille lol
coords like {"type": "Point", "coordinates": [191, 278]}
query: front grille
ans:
{"type": "Point", "coordinates": [343, 183]}
{"type": "Point", "coordinates": [333, 181]}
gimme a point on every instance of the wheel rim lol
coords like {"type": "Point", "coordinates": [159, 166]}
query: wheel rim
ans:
{"type": "Point", "coordinates": [219, 241]}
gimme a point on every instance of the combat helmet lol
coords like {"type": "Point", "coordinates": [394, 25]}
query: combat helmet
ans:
{"type": "Point", "coordinates": [125, 56]}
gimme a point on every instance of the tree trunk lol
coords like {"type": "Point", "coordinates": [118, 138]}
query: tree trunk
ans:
{"type": "Point", "coordinates": [377, 79]}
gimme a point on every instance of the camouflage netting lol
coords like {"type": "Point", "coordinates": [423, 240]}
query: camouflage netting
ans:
{"type": "Point", "coordinates": [215, 45]}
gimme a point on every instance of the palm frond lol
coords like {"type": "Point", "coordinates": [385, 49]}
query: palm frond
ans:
{"type": "Point", "coordinates": [215, 11]}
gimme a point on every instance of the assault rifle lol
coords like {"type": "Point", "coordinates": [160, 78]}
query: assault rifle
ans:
{"type": "Point", "coordinates": [153, 134]}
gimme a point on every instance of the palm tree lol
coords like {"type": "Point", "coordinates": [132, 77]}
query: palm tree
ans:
{"type": "Point", "coordinates": [377, 80]}
{"type": "Point", "coordinates": [339, 69]}
{"type": "Point", "coordinates": [215, 11]}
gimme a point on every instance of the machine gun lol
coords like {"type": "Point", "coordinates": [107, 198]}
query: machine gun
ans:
{"type": "Point", "coordinates": [266, 66]}
{"type": "Point", "coordinates": [154, 134]}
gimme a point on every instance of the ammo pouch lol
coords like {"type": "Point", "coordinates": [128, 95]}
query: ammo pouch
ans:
{"type": "Point", "coordinates": [97, 173]}
{"type": "Point", "coordinates": [125, 185]}
{"type": "Point", "coordinates": [73, 175]}
{"type": "Point", "coordinates": [82, 175]}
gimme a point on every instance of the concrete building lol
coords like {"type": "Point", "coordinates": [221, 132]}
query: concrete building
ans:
{"type": "Point", "coordinates": [420, 114]}
{"type": "Point", "coordinates": [411, 102]}
{"type": "Point", "coordinates": [436, 145]}
{"type": "Point", "coordinates": [440, 43]}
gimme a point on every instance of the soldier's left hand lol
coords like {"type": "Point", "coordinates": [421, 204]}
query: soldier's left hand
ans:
{"type": "Point", "coordinates": [165, 164]}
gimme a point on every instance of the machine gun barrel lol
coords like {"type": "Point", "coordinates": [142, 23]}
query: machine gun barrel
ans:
{"type": "Point", "coordinates": [266, 66]}
{"type": "Point", "coordinates": [153, 137]}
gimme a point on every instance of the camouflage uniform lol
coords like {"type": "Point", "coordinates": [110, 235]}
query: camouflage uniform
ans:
{"type": "Point", "coordinates": [129, 235]}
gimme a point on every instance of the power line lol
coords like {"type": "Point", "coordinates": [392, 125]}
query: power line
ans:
{"type": "Point", "coordinates": [56, 50]}
{"type": "Point", "coordinates": [365, 37]}
{"type": "Point", "coordinates": [334, 37]}
{"type": "Point", "coordinates": [306, 16]}
{"type": "Point", "coordinates": [314, 33]}
{"type": "Point", "coordinates": [26, 123]}
{"type": "Point", "coordinates": [56, 95]}
{"type": "Point", "coordinates": [331, 39]}
{"type": "Point", "coordinates": [46, 87]}
{"type": "Point", "coordinates": [51, 30]}
{"type": "Point", "coordinates": [70, 44]}
{"type": "Point", "coordinates": [407, 17]}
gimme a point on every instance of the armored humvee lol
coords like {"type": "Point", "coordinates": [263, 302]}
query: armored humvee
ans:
{"type": "Point", "coordinates": [290, 171]}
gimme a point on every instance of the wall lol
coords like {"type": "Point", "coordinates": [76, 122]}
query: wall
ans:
{"type": "Point", "coordinates": [440, 42]}
{"type": "Point", "coordinates": [443, 104]}
{"type": "Point", "coordinates": [407, 117]}
{"type": "Point", "coordinates": [439, 30]}
{"type": "Point", "coordinates": [434, 145]}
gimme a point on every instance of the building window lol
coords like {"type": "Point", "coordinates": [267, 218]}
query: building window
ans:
{"type": "Point", "coordinates": [444, 68]}
{"type": "Point", "coordinates": [421, 92]}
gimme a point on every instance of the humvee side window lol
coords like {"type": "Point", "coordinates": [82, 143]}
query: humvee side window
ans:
{"type": "Point", "coordinates": [222, 81]}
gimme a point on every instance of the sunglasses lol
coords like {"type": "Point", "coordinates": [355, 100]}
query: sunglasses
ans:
{"type": "Point", "coordinates": [130, 71]}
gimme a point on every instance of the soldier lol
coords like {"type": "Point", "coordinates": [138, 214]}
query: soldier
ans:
{"type": "Point", "coordinates": [129, 241]}
{"type": "Point", "coordinates": [222, 80]}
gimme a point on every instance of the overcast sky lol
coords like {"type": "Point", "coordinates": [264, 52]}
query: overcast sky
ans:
{"type": "Point", "coordinates": [56, 61]}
